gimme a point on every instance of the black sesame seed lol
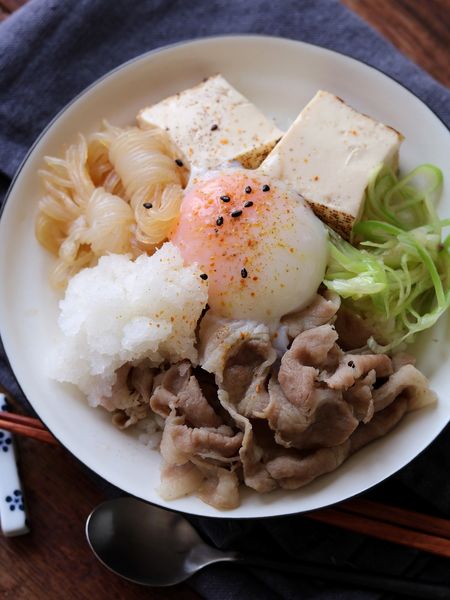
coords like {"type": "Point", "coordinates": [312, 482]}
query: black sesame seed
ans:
{"type": "Point", "coordinates": [248, 189]}
{"type": "Point", "coordinates": [225, 198]}
{"type": "Point", "coordinates": [248, 204]}
{"type": "Point", "coordinates": [219, 221]}
{"type": "Point", "coordinates": [244, 273]}
{"type": "Point", "coordinates": [236, 213]}
{"type": "Point", "coordinates": [179, 162]}
{"type": "Point", "coordinates": [214, 127]}
{"type": "Point", "coordinates": [351, 364]}
{"type": "Point", "coordinates": [148, 205]}
{"type": "Point", "coordinates": [266, 188]}
{"type": "Point", "coordinates": [204, 276]}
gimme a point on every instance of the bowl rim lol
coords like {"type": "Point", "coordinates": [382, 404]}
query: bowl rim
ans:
{"type": "Point", "coordinates": [97, 82]}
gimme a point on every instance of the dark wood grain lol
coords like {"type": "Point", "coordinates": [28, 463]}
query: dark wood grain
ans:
{"type": "Point", "coordinates": [54, 561]}
{"type": "Point", "coordinates": [9, 6]}
{"type": "Point", "coordinates": [419, 28]}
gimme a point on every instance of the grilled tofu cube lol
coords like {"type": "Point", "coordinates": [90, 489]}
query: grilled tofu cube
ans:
{"type": "Point", "coordinates": [212, 123]}
{"type": "Point", "coordinates": [328, 154]}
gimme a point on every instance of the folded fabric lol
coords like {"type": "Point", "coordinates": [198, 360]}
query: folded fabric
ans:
{"type": "Point", "coordinates": [50, 50]}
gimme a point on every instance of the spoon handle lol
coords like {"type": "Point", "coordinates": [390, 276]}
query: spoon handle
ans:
{"type": "Point", "coordinates": [407, 587]}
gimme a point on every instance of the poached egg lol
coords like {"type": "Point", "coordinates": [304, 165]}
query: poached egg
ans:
{"type": "Point", "coordinates": [259, 245]}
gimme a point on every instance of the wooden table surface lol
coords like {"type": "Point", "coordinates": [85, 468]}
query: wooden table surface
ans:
{"type": "Point", "coordinates": [54, 561]}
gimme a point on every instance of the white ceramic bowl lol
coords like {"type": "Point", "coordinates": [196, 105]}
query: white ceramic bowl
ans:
{"type": "Point", "coordinates": [279, 76]}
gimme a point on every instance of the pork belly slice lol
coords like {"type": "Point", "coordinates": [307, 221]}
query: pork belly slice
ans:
{"type": "Point", "coordinates": [315, 347]}
{"type": "Point", "coordinates": [240, 355]}
{"type": "Point", "coordinates": [203, 460]}
{"type": "Point", "coordinates": [194, 436]}
{"type": "Point", "coordinates": [295, 421]}
{"type": "Point", "coordinates": [179, 480]}
{"type": "Point", "coordinates": [295, 469]}
{"type": "Point", "coordinates": [323, 419]}
{"type": "Point", "coordinates": [359, 396]}
{"type": "Point", "coordinates": [354, 366]}
{"type": "Point", "coordinates": [129, 400]}
{"type": "Point", "coordinates": [408, 382]}
{"type": "Point", "coordinates": [353, 331]}
{"type": "Point", "coordinates": [303, 412]}
{"type": "Point", "coordinates": [217, 486]}
{"type": "Point", "coordinates": [220, 487]}
{"type": "Point", "coordinates": [382, 422]}
{"type": "Point", "coordinates": [178, 388]}
{"type": "Point", "coordinates": [219, 443]}
{"type": "Point", "coordinates": [320, 311]}
{"type": "Point", "coordinates": [192, 428]}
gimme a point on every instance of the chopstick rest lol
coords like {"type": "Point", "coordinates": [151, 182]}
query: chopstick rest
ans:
{"type": "Point", "coordinates": [13, 518]}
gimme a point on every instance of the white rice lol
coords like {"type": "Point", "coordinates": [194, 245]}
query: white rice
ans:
{"type": "Point", "coordinates": [151, 429]}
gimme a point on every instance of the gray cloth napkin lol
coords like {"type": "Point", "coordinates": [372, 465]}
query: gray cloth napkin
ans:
{"type": "Point", "coordinates": [50, 50]}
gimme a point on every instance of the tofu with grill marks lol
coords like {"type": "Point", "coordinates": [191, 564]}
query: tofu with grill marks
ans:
{"type": "Point", "coordinates": [328, 155]}
{"type": "Point", "coordinates": [212, 123]}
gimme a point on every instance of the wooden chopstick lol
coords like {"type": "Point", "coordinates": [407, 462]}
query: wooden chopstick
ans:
{"type": "Point", "coordinates": [382, 530]}
{"type": "Point", "coordinates": [398, 516]}
{"type": "Point", "coordinates": [22, 419]}
{"type": "Point", "coordinates": [389, 523]}
{"type": "Point", "coordinates": [26, 426]}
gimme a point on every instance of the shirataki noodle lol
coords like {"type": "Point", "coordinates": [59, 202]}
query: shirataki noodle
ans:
{"type": "Point", "coordinates": [94, 197]}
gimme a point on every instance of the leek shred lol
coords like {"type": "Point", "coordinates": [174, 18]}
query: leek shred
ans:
{"type": "Point", "coordinates": [397, 276]}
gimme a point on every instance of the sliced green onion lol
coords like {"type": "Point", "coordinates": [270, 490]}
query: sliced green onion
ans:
{"type": "Point", "coordinates": [397, 277]}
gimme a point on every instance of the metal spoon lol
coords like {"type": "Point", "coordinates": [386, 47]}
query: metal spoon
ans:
{"type": "Point", "coordinates": [156, 547]}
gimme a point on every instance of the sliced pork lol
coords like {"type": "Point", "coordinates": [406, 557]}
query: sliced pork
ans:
{"type": "Point", "coordinates": [240, 355]}
{"type": "Point", "coordinates": [194, 436]}
{"type": "Point", "coordinates": [354, 366]}
{"type": "Point", "coordinates": [352, 329]}
{"type": "Point", "coordinates": [320, 311]}
{"type": "Point", "coordinates": [295, 469]}
{"type": "Point", "coordinates": [270, 418]}
{"type": "Point", "coordinates": [408, 382]}
{"type": "Point", "coordinates": [127, 401]}
{"type": "Point", "coordinates": [219, 443]}
{"type": "Point", "coordinates": [320, 418]}
{"type": "Point", "coordinates": [380, 425]}
{"type": "Point", "coordinates": [220, 487]}
{"type": "Point", "coordinates": [303, 412]}
{"type": "Point", "coordinates": [179, 480]}
{"type": "Point", "coordinates": [360, 398]}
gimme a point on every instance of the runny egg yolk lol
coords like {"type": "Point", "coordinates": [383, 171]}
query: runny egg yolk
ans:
{"type": "Point", "coordinates": [261, 247]}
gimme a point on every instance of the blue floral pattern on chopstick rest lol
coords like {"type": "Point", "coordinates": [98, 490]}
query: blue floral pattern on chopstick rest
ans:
{"type": "Point", "coordinates": [13, 519]}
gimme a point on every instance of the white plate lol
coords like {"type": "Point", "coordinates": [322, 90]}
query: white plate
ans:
{"type": "Point", "coordinates": [279, 76]}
